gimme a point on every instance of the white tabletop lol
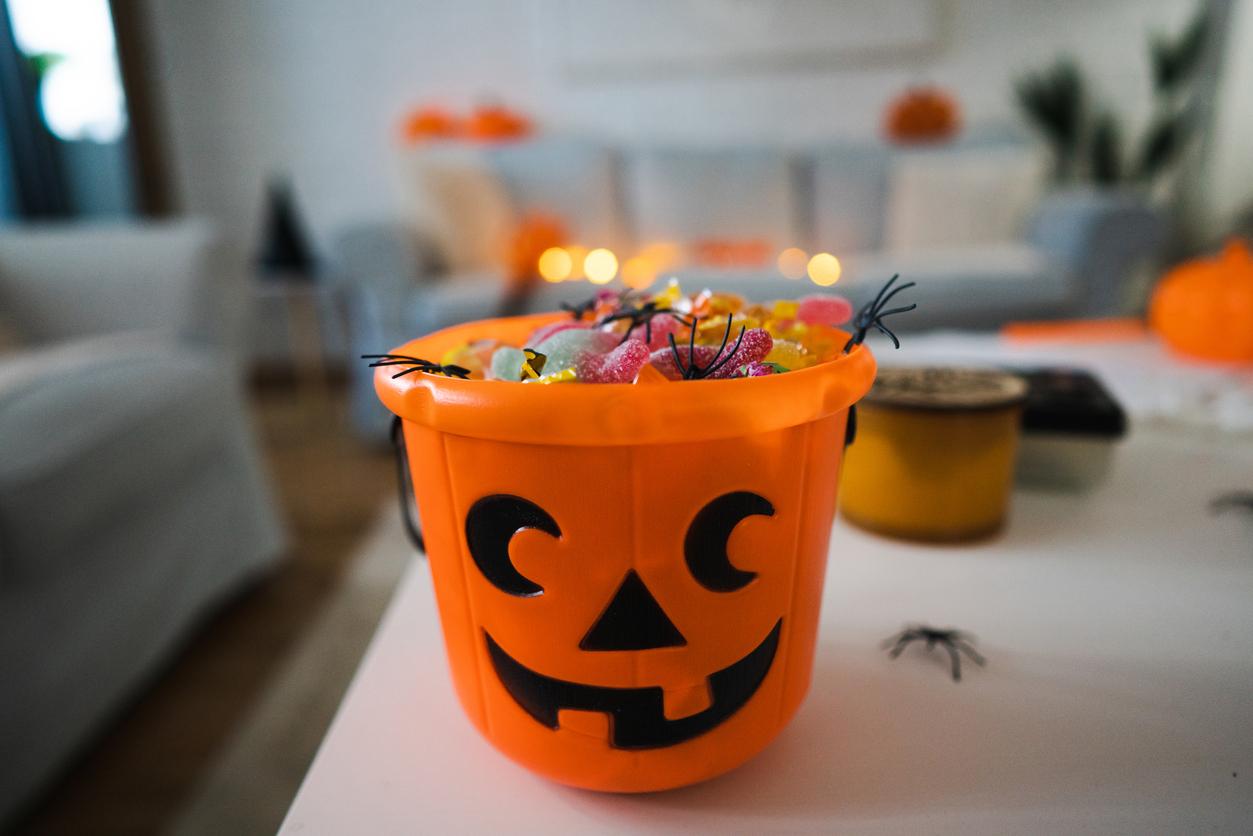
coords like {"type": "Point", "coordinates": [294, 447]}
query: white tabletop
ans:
{"type": "Point", "coordinates": [1118, 695]}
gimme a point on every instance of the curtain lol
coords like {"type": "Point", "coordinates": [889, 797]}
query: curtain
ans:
{"type": "Point", "coordinates": [32, 176]}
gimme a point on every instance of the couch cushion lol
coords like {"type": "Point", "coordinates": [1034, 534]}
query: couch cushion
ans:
{"type": "Point", "coordinates": [462, 203]}
{"type": "Point", "coordinates": [574, 181]}
{"type": "Point", "coordinates": [103, 426]}
{"type": "Point", "coordinates": [961, 195]}
{"type": "Point", "coordinates": [957, 287]}
{"type": "Point", "coordinates": [688, 196]}
{"type": "Point", "coordinates": [850, 185]}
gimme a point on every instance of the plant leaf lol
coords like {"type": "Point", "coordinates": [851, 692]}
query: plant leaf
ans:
{"type": "Point", "coordinates": [1106, 150]}
{"type": "Point", "coordinates": [1162, 144]}
{"type": "Point", "coordinates": [1176, 61]}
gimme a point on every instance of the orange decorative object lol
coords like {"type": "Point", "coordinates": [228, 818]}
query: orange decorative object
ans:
{"type": "Point", "coordinates": [1110, 330]}
{"type": "Point", "coordinates": [495, 123]}
{"type": "Point", "coordinates": [628, 575]}
{"type": "Point", "coordinates": [922, 114]}
{"type": "Point", "coordinates": [731, 253]}
{"type": "Point", "coordinates": [533, 235]}
{"type": "Point", "coordinates": [430, 123]}
{"type": "Point", "coordinates": [1204, 308]}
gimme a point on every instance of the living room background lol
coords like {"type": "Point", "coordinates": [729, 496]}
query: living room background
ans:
{"type": "Point", "coordinates": [259, 88]}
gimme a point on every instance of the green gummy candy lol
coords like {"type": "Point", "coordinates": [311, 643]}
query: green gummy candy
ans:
{"type": "Point", "coordinates": [507, 363]}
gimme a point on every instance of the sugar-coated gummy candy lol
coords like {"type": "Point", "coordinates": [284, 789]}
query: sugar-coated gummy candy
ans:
{"type": "Point", "coordinates": [621, 365]}
{"type": "Point", "coordinates": [753, 348]}
{"type": "Point", "coordinates": [564, 348]}
{"type": "Point", "coordinates": [755, 370]}
{"type": "Point", "coordinates": [507, 363]}
{"type": "Point", "coordinates": [824, 309]}
{"type": "Point", "coordinates": [545, 331]}
{"type": "Point", "coordinates": [661, 327]}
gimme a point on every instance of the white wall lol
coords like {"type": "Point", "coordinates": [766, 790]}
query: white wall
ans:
{"type": "Point", "coordinates": [315, 88]}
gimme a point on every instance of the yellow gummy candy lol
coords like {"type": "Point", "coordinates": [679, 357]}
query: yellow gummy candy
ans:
{"type": "Point", "coordinates": [785, 309]}
{"type": "Point", "coordinates": [564, 376]}
{"type": "Point", "coordinates": [790, 355]}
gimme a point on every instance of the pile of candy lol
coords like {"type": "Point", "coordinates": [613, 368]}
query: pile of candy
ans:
{"type": "Point", "coordinates": [618, 337]}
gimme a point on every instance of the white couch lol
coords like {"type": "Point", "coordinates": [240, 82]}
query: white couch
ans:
{"type": "Point", "coordinates": [131, 495]}
{"type": "Point", "coordinates": [972, 223]}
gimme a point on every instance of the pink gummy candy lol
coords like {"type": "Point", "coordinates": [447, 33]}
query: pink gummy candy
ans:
{"type": "Point", "coordinates": [753, 349]}
{"type": "Point", "coordinates": [618, 366]}
{"type": "Point", "coordinates": [545, 331]}
{"type": "Point", "coordinates": [758, 369]}
{"type": "Point", "coordinates": [662, 325]}
{"type": "Point", "coordinates": [824, 310]}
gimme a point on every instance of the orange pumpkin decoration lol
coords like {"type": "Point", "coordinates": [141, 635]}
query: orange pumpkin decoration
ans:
{"type": "Point", "coordinates": [495, 123]}
{"type": "Point", "coordinates": [1204, 308]}
{"type": "Point", "coordinates": [628, 576]}
{"type": "Point", "coordinates": [922, 114]}
{"type": "Point", "coordinates": [533, 235]}
{"type": "Point", "coordinates": [430, 123]}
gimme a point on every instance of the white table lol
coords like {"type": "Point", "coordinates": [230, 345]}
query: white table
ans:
{"type": "Point", "coordinates": [1118, 695]}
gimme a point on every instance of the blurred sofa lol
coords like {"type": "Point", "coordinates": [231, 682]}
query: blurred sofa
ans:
{"type": "Point", "coordinates": [971, 222]}
{"type": "Point", "coordinates": [131, 494]}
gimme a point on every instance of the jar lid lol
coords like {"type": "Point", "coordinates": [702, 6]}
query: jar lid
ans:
{"type": "Point", "coordinates": [946, 388]}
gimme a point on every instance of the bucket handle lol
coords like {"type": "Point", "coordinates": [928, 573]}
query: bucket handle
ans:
{"type": "Point", "coordinates": [408, 501]}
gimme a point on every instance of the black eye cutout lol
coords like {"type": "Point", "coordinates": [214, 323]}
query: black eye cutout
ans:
{"type": "Point", "coordinates": [490, 525]}
{"type": "Point", "coordinates": [706, 544]}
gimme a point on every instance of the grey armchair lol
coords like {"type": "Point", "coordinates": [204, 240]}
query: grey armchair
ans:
{"type": "Point", "coordinates": [131, 495]}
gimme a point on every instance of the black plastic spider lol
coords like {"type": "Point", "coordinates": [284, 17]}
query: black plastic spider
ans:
{"type": "Point", "coordinates": [415, 364]}
{"type": "Point", "coordinates": [951, 640]}
{"type": "Point", "coordinates": [1234, 501]}
{"type": "Point", "coordinates": [871, 314]}
{"type": "Point", "coordinates": [579, 310]}
{"type": "Point", "coordinates": [691, 371]}
{"type": "Point", "coordinates": [642, 315]}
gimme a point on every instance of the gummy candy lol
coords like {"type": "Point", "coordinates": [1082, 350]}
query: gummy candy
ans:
{"type": "Point", "coordinates": [758, 370]}
{"type": "Point", "coordinates": [662, 326]}
{"type": "Point", "coordinates": [507, 363]}
{"type": "Point", "coordinates": [790, 355]}
{"type": "Point", "coordinates": [563, 376]}
{"type": "Point", "coordinates": [565, 347]}
{"type": "Point", "coordinates": [824, 310]}
{"type": "Point", "coordinates": [618, 366]}
{"type": "Point", "coordinates": [475, 357]}
{"type": "Point", "coordinates": [635, 337]}
{"type": "Point", "coordinates": [754, 347]}
{"type": "Point", "coordinates": [545, 331]}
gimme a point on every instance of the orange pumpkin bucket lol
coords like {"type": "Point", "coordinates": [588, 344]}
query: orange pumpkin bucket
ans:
{"type": "Point", "coordinates": [628, 575]}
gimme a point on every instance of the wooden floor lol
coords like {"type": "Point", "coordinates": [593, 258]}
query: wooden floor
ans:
{"type": "Point", "coordinates": [140, 773]}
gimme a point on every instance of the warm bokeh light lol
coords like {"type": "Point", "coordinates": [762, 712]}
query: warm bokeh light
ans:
{"type": "Point", "coordinates": [600, 265]}
{"type": "Point", "coordinates": [638, 273]}
{"type": "Point", "coordinates": [555, 264]}
{"type": "Point", "coordinates": [577, 256]}
{"type": "Point", "coordinates": [792, 263]}
{"type": "Point", "coordinates": [824, 269]}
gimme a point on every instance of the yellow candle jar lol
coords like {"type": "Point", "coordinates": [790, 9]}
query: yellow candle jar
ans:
{"type": "Point", "coordinates": [934, 453]}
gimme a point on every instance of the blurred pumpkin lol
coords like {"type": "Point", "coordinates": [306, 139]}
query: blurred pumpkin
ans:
{"type": "Point", "coordinates": [493, 123]}
{"type": "Point", "coordinates": [430, 123]}
{"type": "Point", "coordinates": [533, 235]}
{"type": "Point", "coordinates": [1204, 308]}
{"type": "Point", "coordinates": [922, 114]}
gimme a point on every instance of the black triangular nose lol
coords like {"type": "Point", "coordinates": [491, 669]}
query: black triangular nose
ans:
{"type": "Point", "coordinates": [632, 621]}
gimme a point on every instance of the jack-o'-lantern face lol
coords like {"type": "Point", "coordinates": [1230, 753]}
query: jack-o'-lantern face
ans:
{"type": "Point", "coordinates": [633, 621]}
{"type": "Point", "coordinates": [631, 618]}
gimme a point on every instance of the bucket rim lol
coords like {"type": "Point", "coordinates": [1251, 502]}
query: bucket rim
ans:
{"type": "Point", "coordinates": [605, 414]}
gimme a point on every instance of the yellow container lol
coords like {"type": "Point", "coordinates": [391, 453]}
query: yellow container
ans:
{"type": "Point", "coordinates": [934, 454]}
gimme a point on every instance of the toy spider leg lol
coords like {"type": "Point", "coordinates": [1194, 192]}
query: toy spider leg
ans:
{"type": "Point", "coordinates": [872, 314]}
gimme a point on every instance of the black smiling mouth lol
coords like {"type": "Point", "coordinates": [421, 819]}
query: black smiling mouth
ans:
{"type": "Point", "coordinates": [637, 717]}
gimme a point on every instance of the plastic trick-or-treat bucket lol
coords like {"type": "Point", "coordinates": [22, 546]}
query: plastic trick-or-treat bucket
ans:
{"type": "Point", "coordinates": [628, 575]}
